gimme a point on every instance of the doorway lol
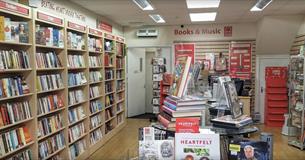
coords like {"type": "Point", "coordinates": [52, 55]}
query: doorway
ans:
{"type": "Point", "coordinates": [263, 61]}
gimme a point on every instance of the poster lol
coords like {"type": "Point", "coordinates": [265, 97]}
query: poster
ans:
{"type": "Point", "coordinates": [197, 146]}
{"type": "Point", "coordinates": [240, 65]}
{"type": "Point", "coordinates": [184, 49]}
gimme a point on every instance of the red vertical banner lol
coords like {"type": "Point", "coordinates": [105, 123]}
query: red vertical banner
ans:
{"type": "Point", "coordinates": [240, 65]}
{"type": "Point", "coordinates": [184, 49]}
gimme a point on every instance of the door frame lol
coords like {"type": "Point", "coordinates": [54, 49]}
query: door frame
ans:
{"type": "Point", "coordinates": [257, 108]}
{"type": "Point", "coordinates": [126, 67]}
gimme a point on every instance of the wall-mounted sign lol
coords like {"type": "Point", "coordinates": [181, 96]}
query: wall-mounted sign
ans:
{"type": "Point", "coordinates": [109, 36]}
{"type": "Point", "coordinates": [120, 39]}
{"type": "Point", "coordinates": [96, 32]}
{"type": "Point", "coordinates": [105, 26]}
{"type": "Point", "coordinates": [184, 49]}
{"type": "Point", "coordinates": [49, 18]}
{"type": "Point", "coordinates": [240, 65]}
{"type": "Point", "coordinates": [76, 26]}
{"type": "Point", "coordinates": [225, 31]}
{"type": "Point", "coordinates": [14, 8]}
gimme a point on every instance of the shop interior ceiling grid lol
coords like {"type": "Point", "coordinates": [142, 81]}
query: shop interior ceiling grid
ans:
{"type": "Point", "coordinates": [298, 42]}
{"type": "Point", "coordinates": [202, 48]}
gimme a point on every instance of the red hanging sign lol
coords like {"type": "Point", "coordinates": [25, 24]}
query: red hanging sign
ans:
{"type": "Point", "coordinates": [96, 32]}
{"type": "Point", "coordinates": [105, 27]}
{"type": "Point", "coordinates": [14, 8]}
{"type": "Point", "coordinates": [240, 65]}
{"type": "Point", "coordinates": [76, 26]}
{"type": "Point", "coordinates": [109, 36]}
{"type": "Point", "coordinates": [184, 49]}
{"type": "Point", "coordinates": [49, 18]}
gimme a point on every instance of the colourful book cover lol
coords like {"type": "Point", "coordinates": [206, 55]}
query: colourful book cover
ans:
{"type": "Point", "coordinates": [15, 31]}
{"type": "Point", "coordinates": [7, 29]}
{"type": "Point", "coordinates": [23, 32]}
{"type": "Point", "coordinates": [187, 125]}
{"type": "Point", "coordinates": [2, 27]}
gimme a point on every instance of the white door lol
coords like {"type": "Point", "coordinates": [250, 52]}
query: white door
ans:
{"type": "Point", "coordinates": [262, 62]}
{"type": "Point", "coordinates": [136, 81]}
{"type": "Point", "coordinates": [149, 82]}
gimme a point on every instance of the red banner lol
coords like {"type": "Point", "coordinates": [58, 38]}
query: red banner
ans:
{"type": "Point", "coordinates": [105, 27]}
{"type": "Point", "coordinates": [184, 49]}
{"type": "Point", "coordinates": [76, 26]}
{"type": "Point", "coordinates": [49, 18]}
{"type": "Point", "coordinates": [94, 31]}
{"type": "Point", "coordinates": [14, 8]}
{"type": "Point", "coordinates": [187, 125]}
{"type": "Point", "coordinates": [240, 65]}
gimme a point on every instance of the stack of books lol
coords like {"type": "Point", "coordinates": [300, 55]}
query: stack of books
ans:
{"type": "Point", "coordinates": [230, 123]}
{"type": "Point", "coordinates": [175, 107]}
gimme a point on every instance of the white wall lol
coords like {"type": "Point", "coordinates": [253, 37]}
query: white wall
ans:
{"type": "Point", "coordinates": [166, 35]}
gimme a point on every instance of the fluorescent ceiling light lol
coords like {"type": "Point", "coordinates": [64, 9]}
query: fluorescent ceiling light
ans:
{"type": "Point", "coordinates": [197, 17]}
{"type": "Point", "coordinates": [202, 3]}
{"type": "Point", "coordinates": [260, 5]}
{"type": "Point", "coordinates": [143, 4]}
{"type": "Point", "coordinates": [157, 18]}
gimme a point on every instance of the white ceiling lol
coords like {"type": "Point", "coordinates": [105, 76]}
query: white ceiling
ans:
{"type": "Point", "coordinates": [175, 12]}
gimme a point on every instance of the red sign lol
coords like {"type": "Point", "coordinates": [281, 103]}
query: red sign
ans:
{"type": "Point", "coordinates": [105, 26]}
{"type": "Point", "coordinates": [184, 49]}
{"type": "Point", "coordinates": [240, 65]}
{"type": "Point", "coordinates": [94, 31]}
{"type": "Point", "coordinates": [49, 18]}
{"type": "Point", "coordinates": [120, 39]}
{"type": "Point", "coordinates": [227, 31]}
{"type": "Point", "coordinates": [276, 73]}
{"type": "Point", "coordinates": [109, 36]}
{"type": "Point", "coordinates": [14, 8]}
{"type": "Point", "coordinates": [187, 125]}
{"type": "Point", "coordinates": [76, 26]}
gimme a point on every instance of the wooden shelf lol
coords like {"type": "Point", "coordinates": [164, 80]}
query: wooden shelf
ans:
{"type": "Point", "coordinates": [166, 84]}
{"type": "Point", "coordinates": [96, 97]}
{"type": "Point", "coordinates": [112, 52]}
{"type": "Point", "coordinates": [99, 67]}
{"type": "Point", "coordinates": [15, 70]}
{"type": "Point", "coordinates": [54, 111]}
{"type": "Point", "coordinates": [120, 101]}
{"type": "Point", "coordinates": [95, 52]}
{"type": "Point", "coordinates": [48, 47]}
{"type": "Point", "coordinates": [95, 113]}
{"type": "Point", "coordinates": [16, 150]}
{"type": "Point", "coordinates": [121, 111]}
{"type": "Point", "coordinates": [109, 93]}
{"type": "Point", "coordinates": [78, 68]}
{"type": "Point", "coordinates": [49, 69]}
{"type": "Point", "coordinates": [100, 125]}
{"type": "Point", "coordinates": [120, 69]}
{"type": "Point", "coordinates": [78, 121]}
{"type": "Point", "coordinates": [76, 86]}
{"type": "Point", "coordinates": [14, 43]}
{"type": "Point", "coordinates": [109, 106]}
{"type": "Point", "coordinates": [14, 97]}
{"type": "Point", "coordinates": [76, 50]}
{"type": "Point", "coordinates": [109, 67]}
{"type": "Point", "coordinates": [54, 153]}
{"type": "Point", "coordinates": [120, 91]}
{"type": "Point", "coordinates": [111, 118]}
{"type": "Point", "coordinates": [92, 83]}
{"type": "Point", "coordinates": [52, 90]}
{"type": "Point", "coordinates": [20, 122]}
{"type": "Point", "coordinates": [75, 104]}
{"type": "Point", "coordinates": [120, 56]}
{"type": "Point", "coordinates": [50, 134]}
{"type": "Point", "coordinates": [109, 80]}
{"type": "Point", "coordinates": [77, 139]}
{"type": "Point", "coordinates": [120, 79]}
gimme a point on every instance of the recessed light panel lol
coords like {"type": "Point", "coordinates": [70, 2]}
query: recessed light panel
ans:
{"type": "Point", "coordinates": [157, 18]}
{"type": "Point", "coordinates": [202, 3]}
{"type": "Point", "coordinates": [260, 5]}
{"type": "Point", "coordinates": [198, 17]}
{"type": "Point", "coordinates": [144, 4]}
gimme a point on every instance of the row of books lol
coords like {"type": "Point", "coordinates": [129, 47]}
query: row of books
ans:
{"type": "Point", "coordinates": [75, 41]}
{"type": "Point", "coordinates": [51, 145]}
{"type": "Point", "coordinates": [96, 136]}
{"type": "Point", "coordinates": [76, 114]}
{"type": "Point", "coordinates": [77, 148]}
{"type": "Point", "coordinates": [119, 107]}
{"type": "Point", "coordinates": [47, 60]}
{"type": "Point", "coordinates": [14, 139]}
{"type": "Point", "coordinates": [75, 79]}
{"type": "Point", "coordinates": [95, 121]}
{"type": "Point", "coordinates": [49, 103]}
{"type": "Point", "coordinates": [120, 96]}
{"type": "Point", "coordinates": [120, 49]}
{"type": "Point", "coordinates": [49, 82]}
{"type": "Point", "coordinates": [108, 60]}
{"type": "Point", "coordinates": [49, 125]}
{"type": "Point", "coordinates": [109, 100]}
{"type": "Point", "coordinates": [95, 76]}
{"type": "Point", "coordinates": [95, 106]}
{"type": "Point", "coordinates": [109, 87]}
{"type": "Point", "coordinates": [120, 85]}
{"type": "Point", "coordinates": [13, 86]}
{"type": "Point", "coordinates": [108, 113]}
{"type": "Point", "coordinates": [49, 36]}
{"type": "Point", "coordinates": [94, 91]}
{"type": "Point", "coordinates": [109, 74]}
{"type": "Point", "coordinates": [119, 63]}
{"type": "Point", "coordinates": [95, 61]}
{"type": "Point", "coordinates": [120, 74]}
{"type": "Point", "coordinates": [95, 44]}
{"type": "Point", "coordinates": [11, 59]}
{"type": "Point", "coordinates": [76, 131]}
{"type": "Point", "coordinates": [109, 127]}
{"type": "Point", "coordinates": [76, 61]}
{"type": "Point", "coordinates": [76, 96]}
{"type": "Point", "coordinates": [13, 31]}
{"type": "Point", "coordinates": [13, 112]}
{"type": "Point", "coordinates": [24, 155]}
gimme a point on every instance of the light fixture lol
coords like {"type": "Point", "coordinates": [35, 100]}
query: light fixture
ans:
{"type": "Point", "coordinates": [144, 4]}
{"type": "Point", "coordinates": [202, 3]}
{"type": "Point", "coordinates": [260, 5]}
{"type": "Point", "coordinates": [197, 17]}
{"type": "Point", "coordinates": [157, 18]}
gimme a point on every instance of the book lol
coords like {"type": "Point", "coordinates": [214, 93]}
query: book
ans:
{"type": "Point", "coordinates": [23, 32]}
{"type": "Point", "coordinates": [157, 149]}
{"type": "Point", "coordinates": [7, 29]}
{"type": "Point", "coordinates": [48, 60]}
{"type": "Point", "coordinates": [187, 125]}
{"type": "Point", "coordinates": [186, 113]}
{"type": "Point", "coordinates": [2, 27]}
{"type": "Point", "coordinates": [94, 91]}
{"type": "Point", "coordinates": [49, 103]}
{"type": "Point", "coordinates": [51, 145]}
{"type": "Point", "coordinates": [13, 112]}
{"type": "Point", "coordinates": [75, 96]}
{"type": "Point", "coordinates": [76, 114]}
{"type": "Point", "coordinates": [95, 121]}
{"type": "Point", "coordinates": [245, 149]}
{"type": "Point", "coordinates": [49, 125]}
{"type": "Point", "coordinates": [76, 131]}
{"type": "Point", "coordinates": [228, 122]}
{"type": "Point", "coordinates": [95, 76]}
{"type": "Point", "coordinates": [166, 123]}
{"type": "Point", "coordinates": [96, 136]}
{"type": "Point", "coordinates": [77, 149]}
{"type": "Point", "coordinates": [77, 78]}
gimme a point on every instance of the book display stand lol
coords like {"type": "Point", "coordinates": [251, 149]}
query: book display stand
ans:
{"type": "Point", "coordinates": [62, 85]}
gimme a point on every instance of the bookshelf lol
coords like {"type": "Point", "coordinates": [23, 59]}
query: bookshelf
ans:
{"type": "Point", "coordinates": [53, 69]}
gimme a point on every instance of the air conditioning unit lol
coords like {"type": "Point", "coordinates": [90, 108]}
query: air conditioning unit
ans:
{"type": "Point", "coordinates": [147, 33]}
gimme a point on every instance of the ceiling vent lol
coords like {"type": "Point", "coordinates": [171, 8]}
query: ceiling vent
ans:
{"type": "Point", "coordinates": [147, 32]}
